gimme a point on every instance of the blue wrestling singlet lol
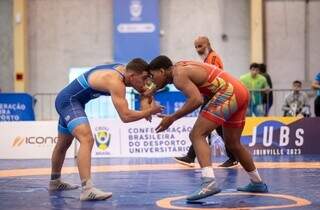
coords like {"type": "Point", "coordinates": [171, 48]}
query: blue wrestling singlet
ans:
{"type": "Point", "coordinates": [71, 100]}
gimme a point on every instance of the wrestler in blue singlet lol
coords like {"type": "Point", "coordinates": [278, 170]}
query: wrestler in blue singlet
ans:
{"type": "Point", "coordinates": [71, 100]}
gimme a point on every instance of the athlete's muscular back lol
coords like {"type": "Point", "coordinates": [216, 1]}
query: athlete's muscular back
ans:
{"type": "Point", "coordinates": [197, 72]}
{"type": "Point", "coordinates": [106, 81]}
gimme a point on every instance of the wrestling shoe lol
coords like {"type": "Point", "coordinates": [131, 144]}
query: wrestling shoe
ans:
{"type": "Point", "coordinates": [185, 160]}
{"type": "Point", "coordinates": [229, 163]}
{"type": "Point", "coordinates": [58, 185]}
{"type": "Point", "coordinates": [94, 194]}
{"type": "Point", "coordinates": [254, 187]}
{"type": "Point", "coordinates": [208, 187]}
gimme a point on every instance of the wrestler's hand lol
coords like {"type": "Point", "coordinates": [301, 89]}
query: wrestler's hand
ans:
{"type": "Point", "coordinates": [156, 108]}
{"type": "Point", "coordinates": [165, 123]}
{"type": "Point", "coordinates": [148, 93]}
{"type": "Point", "coordinates": [146, 103]}
{"type": "Point", "coordinates": [149, 118]}
{"type": "Point", "coordinates": [149, 89]}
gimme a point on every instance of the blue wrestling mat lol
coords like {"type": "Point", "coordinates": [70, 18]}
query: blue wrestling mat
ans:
{"type": "Point", "coordinates": [148, 183]}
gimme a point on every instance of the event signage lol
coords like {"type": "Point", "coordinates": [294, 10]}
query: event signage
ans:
{"type": "Point", "coordinates": [136, 29]}
{"type": "Point", "coordinates": [264, 136]}
{"type": "Point", "coordinates": [16, 107]}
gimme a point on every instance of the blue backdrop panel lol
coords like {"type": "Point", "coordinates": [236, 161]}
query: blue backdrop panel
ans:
{"type": "Point", "coordinates": [172, 101]}
{"type": "Point", "coordinates": [16, 107]}
{"type": "Point", "coordinates": [136, 29]}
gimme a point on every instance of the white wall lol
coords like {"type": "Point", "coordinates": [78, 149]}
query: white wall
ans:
{"type": "Point", "coordinates": [314, 38]}
{"type": "Point", "coordinates": [64, 34]}
{"type": "Point", "coordinates": [291, 52]}
{"type": "Point", "coordinates": [73, 33]}
{"type": "Point", "coordinates": [6, 46]}
{"type": "Point", "coordinates": [183, 20]}
{"type": "Point", "coordinates": [285, 41]}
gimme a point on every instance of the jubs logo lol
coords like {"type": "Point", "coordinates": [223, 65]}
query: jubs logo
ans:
{"type": "Point", "coordinates": [276, 133]}
{"type": "Point", "coordinates": [102, 138]}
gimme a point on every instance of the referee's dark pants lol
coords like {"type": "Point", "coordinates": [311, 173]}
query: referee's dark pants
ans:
{"type": "Point", "coordinates": [192, 154]}
{"type": "Point", "coordinates": [317, 106]}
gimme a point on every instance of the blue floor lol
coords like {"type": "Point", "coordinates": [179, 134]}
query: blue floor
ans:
{"type": "Point", "coordinates": [142, 189]}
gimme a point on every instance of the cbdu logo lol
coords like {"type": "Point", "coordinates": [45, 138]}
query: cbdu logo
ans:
{"type": "Point", "coordinates": [102, 139]}
{"type": "Point", "coordinates": [135, 10]}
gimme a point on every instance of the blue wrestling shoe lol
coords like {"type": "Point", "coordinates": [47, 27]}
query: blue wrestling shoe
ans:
{"type": "Point", "coordinates": [254, 187]}
{"type": "Point", "coordinates": [208, 187]}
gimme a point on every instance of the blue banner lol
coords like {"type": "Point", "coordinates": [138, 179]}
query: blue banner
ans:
{"type": "Point", "coordinates": [136, 29]}
{"type": "Point", "coordinates": [16, 107]}
{"type": "Point", "coordinates": [171, 100]}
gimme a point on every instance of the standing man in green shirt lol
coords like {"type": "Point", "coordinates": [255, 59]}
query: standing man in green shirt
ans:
{"type": "Point", "coordinates": [256, 84]}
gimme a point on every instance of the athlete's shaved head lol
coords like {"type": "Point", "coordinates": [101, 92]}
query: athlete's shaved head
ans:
{"type": "Point", "coordinates": [202, 45]}
{"type": "Point", "coordinates": [202, 40]}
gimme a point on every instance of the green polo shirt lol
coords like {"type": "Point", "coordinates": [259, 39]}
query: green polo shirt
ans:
{"type": "Point", "coordinates": [257, 83]}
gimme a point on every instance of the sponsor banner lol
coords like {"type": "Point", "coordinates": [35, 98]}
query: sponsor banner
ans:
{"type": "Point", "coordinates": [281, 135]}
{"type": "Point", "coordinates": [16, 107]}
{"type": "Point", "coordinates": [136, 29]}
{"type": "Point", "coordinates": [112, 138]}
{"type": "Point", "coordinates": [139, 139]}
{"type": "Point", "coordinates": [29, 140]}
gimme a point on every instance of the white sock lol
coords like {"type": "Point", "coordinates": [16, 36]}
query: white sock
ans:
{"type": "Point", "coordinates": [207, 172]}
{"type": "Point", "coordinates": [86, 184]}
{"type": "Point", "coordinates": [254, 176]}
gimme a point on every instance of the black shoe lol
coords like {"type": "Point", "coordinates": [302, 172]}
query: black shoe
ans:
{"type": "Point", "coordinates": [185, 161]}
{"type": "Point", "coordinates": [229, 163]}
